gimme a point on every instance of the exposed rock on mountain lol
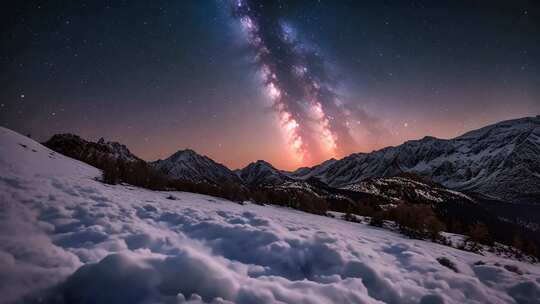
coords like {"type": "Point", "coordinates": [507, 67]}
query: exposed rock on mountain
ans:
{"type": "Point", "coordinates": [74, 146]}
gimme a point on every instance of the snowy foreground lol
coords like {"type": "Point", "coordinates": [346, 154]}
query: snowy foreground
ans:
{"type": "Point", "coordinates": [67, 238]}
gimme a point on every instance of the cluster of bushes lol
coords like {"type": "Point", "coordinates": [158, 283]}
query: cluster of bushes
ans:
{"type": "Point", "coordinates": [230, 191]}
{"type": "Point", "coordinates": [524, 246]}
{"type": "Point", "coordinates": [417, 221]}
{"type": "Point", "coordinates": [294, 198]}
{"type": "Point", "coordinates": [421, 221]}
{"type": "Point", "coordinates": [136, 173]}
{"type": "Point", "coordinates": [414, 220]}
{"type": "Point", "coordinates": [477, 235]}
{"type": "Point", "coordinates": [140, 174]}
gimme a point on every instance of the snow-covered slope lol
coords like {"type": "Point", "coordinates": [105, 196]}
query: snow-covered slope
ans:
{"type": "Point", "coordinates": [398, 189]}
{"type": "Point", "coordinates": [261, 173]}
{"type": "Point", "coordinates": [67, 238]}
{"type": "Point", "coordinates": [188, 165]}
{"type": "Point", "coordinates": [501, 160]}
{"type": "Point", "coordinates": [306, 172]}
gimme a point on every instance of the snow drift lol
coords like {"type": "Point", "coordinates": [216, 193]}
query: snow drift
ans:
{"type": "Point", "coordinates": [67, 238]}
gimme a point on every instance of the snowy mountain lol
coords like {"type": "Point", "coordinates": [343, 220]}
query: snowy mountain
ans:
{"type": "Point", "coordinates": [76, 147]}
{"type": "Point", "coordinates": [65, 237]}
{"type": "Point", "coordinates": [261, 173]}
{"type": "Point", "coordinates": [188, 165]}
{"type": "Point", "coordinates": [306, 172]}
{"type": "Point", "coordinates": [500, 161]}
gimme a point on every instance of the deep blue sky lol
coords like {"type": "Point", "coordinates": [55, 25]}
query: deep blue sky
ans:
{"type": "Point", "coordinates": [164, 75]}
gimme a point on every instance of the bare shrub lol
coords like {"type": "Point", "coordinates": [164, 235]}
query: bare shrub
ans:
{"type": "Point", "coordinates": [417, 221]}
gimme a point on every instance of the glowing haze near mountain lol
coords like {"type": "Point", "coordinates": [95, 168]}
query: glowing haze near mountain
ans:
{"type": "Point", "coordinates": [290, 82]}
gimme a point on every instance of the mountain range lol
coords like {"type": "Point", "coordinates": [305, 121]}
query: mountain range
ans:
{"type": "Point", "coordinates": [499, 162]}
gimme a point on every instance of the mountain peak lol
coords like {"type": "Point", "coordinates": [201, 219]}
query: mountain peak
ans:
{"type": "Point", "coordinates": [186, 152]}
{"type": "Point", "coordinates": [261, 172]}
{"type": "Point", "coordinates": [263, 164]}
{"type": "Point", "coordinates": [187, 164]}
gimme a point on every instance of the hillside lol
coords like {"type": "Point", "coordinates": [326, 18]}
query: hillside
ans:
{"type": "Point", "coordinates": [68, 238]}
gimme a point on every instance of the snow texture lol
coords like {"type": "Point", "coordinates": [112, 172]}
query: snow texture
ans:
{"type": "Point", "coordinates": [67, 238]}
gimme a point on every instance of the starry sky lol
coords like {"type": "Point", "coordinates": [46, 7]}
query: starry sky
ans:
{"type": "Point", "coordinates": [290, 82]}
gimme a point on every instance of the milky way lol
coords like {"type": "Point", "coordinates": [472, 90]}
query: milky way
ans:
{"type": "Point", "coordinates": [296, 79]}
{"type": "Point", "coordinates": [289, 82]}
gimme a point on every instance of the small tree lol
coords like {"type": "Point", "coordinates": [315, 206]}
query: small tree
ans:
{"type": "Point", "coordinates": [517, 244]}
{"type": "Point", "coordinates": [531, 249]}
{"type": "Point", "coordinates": [362, 209]}
{"type": "Point", "coordinates": [417, 221]}
{"type": "Point", "coordinates": [111, 174]}
{"type": "Point", "coordinates": [259, 197]}
{"type": "Point", "coordinates": [455, 226]}
{"type": "Point", "coordinates": [434, 227]}
{"type": "Point", "coordinates": [350, 218]}
{"type": "Point", "coordinates": [478, 234]}
{"type": "Point", "coordinates": [308, 202]}
{"type": "Point", "coordinates": [377, 219]}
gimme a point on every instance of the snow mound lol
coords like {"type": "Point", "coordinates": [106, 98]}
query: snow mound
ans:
{"type": "Point", "coordinates": [67, 238]}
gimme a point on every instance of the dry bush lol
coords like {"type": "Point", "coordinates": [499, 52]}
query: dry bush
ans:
{"type": "Point", "coordinates": [478, 234]}
{"type": "Point", "coordinates": [294, 198]}
{"type": "Point", "coordinates": [377, 219]}
{"type": "Point", "coordinates": [447, 263]}
{"type": "Point", "coordinates": [417, 221]}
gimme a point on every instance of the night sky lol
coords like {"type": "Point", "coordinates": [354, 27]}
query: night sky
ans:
{"type": "Point", "coordinates": [291, 82]}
